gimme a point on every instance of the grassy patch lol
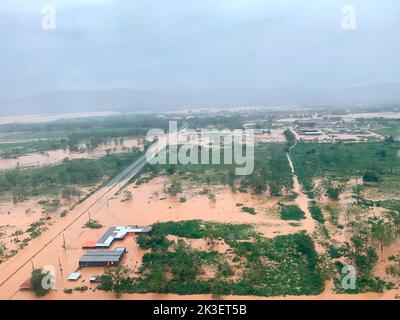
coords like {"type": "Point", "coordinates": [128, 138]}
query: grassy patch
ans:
{"type": "Point", "coordinates": [291, 212]}
{"type": "Point", "coordinates": [249, 210]}
{"type": "Point", "coordinates": [316, 212]}
{"type": "Point", "coordinates": [345, 160]}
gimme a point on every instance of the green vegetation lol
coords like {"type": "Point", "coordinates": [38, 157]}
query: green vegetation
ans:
{"type": "Point", "coordinates": [50, 206]}
{"type": "Point", "coordinates": [3, 249]}
{"type": "Point", "coordinates": [116, 279]}
{"type": "Point", "coordinates": [333, 192]}
{"type": "Point", "coordinates": [127, 196]}
{"type": "Point", "coordinates": [334, 214]}
{"type": "Point", "coordinates": [37, 278]}
{"type": "Point", "coordinates": [280, 266]}
{"type": "Point", "coordinates": [93, 224]}
{"type": "Point", "coordinates": [81, 288]}
{"type": "Point", "coordinates": [375, 161]}
{"type": "Point", "coordinates": [316, 212]}
{"type": "Point", "coordinates": [58, 179]}
{"type": "Point", "coordinates": [271, 172]}
{"type": "Point", "coordinates": [391, 127]}
{"type": "Point", "coordinates": [290, 137]}
{"type": "Point", "coordinates": [36, 228]}
{"type": "Point", "coordinates": [291, 212]}
{"type": "Point", "coordinates": [249, 210]}
{"type": "Point", "coordinates": [393, 268]}
{"type": "Point", "coordinates": [174, 187]}
{"type": "Point", "coordinates": [361, 252]}
{"type": "Point", "coordinates": [13, 150]}
{"type": "Point", "coordinates": [69, 134]}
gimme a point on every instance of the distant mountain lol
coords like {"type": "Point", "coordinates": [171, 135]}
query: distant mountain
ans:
{"type": "Point", "coordinates": [129, 100]}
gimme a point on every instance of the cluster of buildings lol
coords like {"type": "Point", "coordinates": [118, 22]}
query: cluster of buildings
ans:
{"type": "Point", "coordinates": [98, 256]}
{"type": "Point", "coordinates": [313, 128]}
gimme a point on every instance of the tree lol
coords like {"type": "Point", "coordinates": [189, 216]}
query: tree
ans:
{"type": "Point", "coordinates": [211, 236]}
{"type": "Point", "coordinates": [318, 192]}
{"type": "Point", "coordinates": [395, 219]}
{"type": "Point", "coordinates": [290, 137]}
{"type": "Point", "coordinates": [371, 176]}
{"type": "Point", "coordinates": [175, 187]}
{"type": "Point", "coordinates": [394, 268]}
{"type": "Point", "coordinates": [188, 265]}
{"type": "Point", "coordinates": [156, 280]}
{"type": "Point", "coordinates": [333, 192]}
{"type": "Point", "coordinates": [37, 282]}
{"type": "Point", "coordinates": [3, 249]}
{"type": "Point", "coordinates": [357, 189]}
{"type": "Point", "coordinates": [117, 279]}
{"type": "Point", "coordinates": [211, 197]}
{"type": "Point", "coordinates": [364, 260]}
{"type": "Point", "coordinates": [382, 232]}
{"type": "Point", "coordinates": [127, 195]}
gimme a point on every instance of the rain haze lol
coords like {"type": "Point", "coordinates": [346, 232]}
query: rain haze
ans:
{"type": "Point", "coordinates": [175, 52]}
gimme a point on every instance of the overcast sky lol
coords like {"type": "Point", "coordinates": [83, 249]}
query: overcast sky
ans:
{"type": "Point", "coordinates": [196, 44]}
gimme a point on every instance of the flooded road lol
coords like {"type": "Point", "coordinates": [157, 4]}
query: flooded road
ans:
{"type": "Point", "coordinates": [302, 200]}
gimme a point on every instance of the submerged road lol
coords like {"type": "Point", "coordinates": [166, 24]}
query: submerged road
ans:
{"type": "Point", "coordinates": [17, 269]}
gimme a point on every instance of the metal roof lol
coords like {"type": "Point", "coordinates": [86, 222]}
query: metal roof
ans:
{"type": "Point", "coordinates": [102, 253]}
{"type": "Point", "coordinates": [106, 256]}
{"type": "Point", "coordinates": [118, 233]}
{"type": "Point", "coordinates": [100, 258]}
{"type": "Point", "coordinates": [74, 276]}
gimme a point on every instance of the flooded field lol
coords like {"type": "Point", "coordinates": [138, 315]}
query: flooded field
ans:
{"type": "Point", "coordinates": [59, 242]}
{"type": "Point", "coordinates": [149, 205]}
{"type": "Point", "coordinates": [56, 156]}
{"type": "Point", "coordinates": [40, 118]}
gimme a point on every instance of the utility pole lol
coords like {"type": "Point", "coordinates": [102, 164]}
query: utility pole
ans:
{"type": "Point", "coordinates": [33, 267]}
{"type": "Point", "coordinates": [64, 243]}
{"type": "Point", "coordinates": [59, 263]}
{"type": "Point", "coordinates": [89, 215]}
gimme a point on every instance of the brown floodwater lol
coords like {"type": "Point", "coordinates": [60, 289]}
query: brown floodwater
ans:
{"type": "Point", "coordinates": [147, 206]}
{"type": "Point", "coordinates": [41, 118]}
{"type": "Point", "coordinates": [56, 156]}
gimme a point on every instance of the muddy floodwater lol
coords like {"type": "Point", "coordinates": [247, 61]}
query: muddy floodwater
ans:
{"type": "Point", "coordinates": [56, 156]}
{"type": "Point", "coordinates": [40, 118]}
{"type": "Point", "coordinates": [149, 205]}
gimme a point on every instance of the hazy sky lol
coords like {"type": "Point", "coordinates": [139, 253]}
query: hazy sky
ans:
{"type": "Point", "coordinates": [196, 44]}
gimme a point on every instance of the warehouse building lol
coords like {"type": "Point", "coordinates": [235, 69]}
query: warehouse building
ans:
{"type": "Point", "coordinates": [101, 258]}
{"type": "Point", "coordinates": [112, 234]}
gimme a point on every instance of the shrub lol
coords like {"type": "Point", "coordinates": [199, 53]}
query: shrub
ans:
{"type": "Point", "coordinates": [370, 176]}
{"type": "Point", "coordinates": [37, 278]}
{"type": "Point", "coordinates": [316, 213]}
{"type": "Point", "coordinates": [249, 210]}
{"type": "Point", "coordinates": [291, 212]}
{"type": "Point", "coordinates": [93, 224]}
{"type": "Point", "coordinates": [333, 192]}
